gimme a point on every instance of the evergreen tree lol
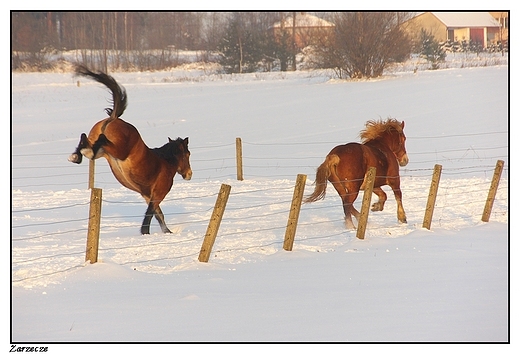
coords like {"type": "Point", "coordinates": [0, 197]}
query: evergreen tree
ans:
{"type": "Point", "coordinates": [431, 49]}
{"type": "Point", "coordinates": [241, 48]}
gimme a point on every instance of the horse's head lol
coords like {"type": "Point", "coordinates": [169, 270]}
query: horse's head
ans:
{"type": "Point", "coordinates": [391, 133]}
{"type": "Point", "coordinates": [398, 146]}
{"type": "Point", "coordinates": [182, 155]}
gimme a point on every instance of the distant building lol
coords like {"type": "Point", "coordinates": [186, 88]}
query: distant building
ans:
{"type": "Point", "coordinates": [307, 28]}
{"type": "Point", "coordinates": [479, 27]}
{"type": "Point", "coordinates": [502, 18]}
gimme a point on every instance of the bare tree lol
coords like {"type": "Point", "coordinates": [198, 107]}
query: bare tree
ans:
{"type": "Point", "coordinates": [365, 43]}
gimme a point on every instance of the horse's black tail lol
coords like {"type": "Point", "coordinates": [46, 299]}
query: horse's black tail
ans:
{"type": "Point", "coordinates": [119, 98]}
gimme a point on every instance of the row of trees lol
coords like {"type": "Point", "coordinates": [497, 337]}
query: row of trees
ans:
{"type": "Point", "coordinates": [362, 44]}
{"type": "Point", "coordinates": [121, 38]}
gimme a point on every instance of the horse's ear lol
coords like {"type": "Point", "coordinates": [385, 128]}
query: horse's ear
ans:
{"type": "Point", "coordinates": [186, 141]}
{"type": "Point", "coordinates": [402, 124]}
{"type": "Point", "coordinates": [169, 140]}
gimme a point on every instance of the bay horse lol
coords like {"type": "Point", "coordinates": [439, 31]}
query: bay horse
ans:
{"type": "Point", "coordinates": [383, 147]}
{"type": "Point", "coordinates": [146, 171]}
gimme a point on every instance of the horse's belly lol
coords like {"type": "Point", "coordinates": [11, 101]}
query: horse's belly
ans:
{"type": "Point", "coordinates": [121, 172]}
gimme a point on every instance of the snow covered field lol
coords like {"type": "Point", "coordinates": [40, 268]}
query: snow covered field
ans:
{"type": "Point", "coordinates": [402, 283]}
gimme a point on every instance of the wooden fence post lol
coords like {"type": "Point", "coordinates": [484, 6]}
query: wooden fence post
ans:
{"type": "Point", "coordinates": [214, 223]}
{"type": "Point", "coordinates": [94, 222]}
{"type": "Point", "coordinates": [240, 172]}
{"type": "Point", "coordinates": [292, 222]}
{"type": "Point", "coordinates": [492, 190]}
{"type": "Point", "coordinates": [432, 196]}
{"type": "Point", "coordinates": [365, 207]}
{"type": "Point", "coordinates": [91, 168]}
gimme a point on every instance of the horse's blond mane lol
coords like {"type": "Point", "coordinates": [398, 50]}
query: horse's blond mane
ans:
{"type": "Point", "coordinates": [374, 129]}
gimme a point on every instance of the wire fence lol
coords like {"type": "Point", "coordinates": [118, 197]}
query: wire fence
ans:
{"type": "Point", "coordinates": [257, 216]}
{"type": "Point", "coordinates": [275, 165]}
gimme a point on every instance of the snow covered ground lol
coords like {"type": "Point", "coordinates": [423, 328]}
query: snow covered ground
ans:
{"type": "Point", "coordinates": [403, 283]}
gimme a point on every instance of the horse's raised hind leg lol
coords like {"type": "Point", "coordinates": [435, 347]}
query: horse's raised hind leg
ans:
{"type": "Point", "coordinates": [380, 204]}
{"type": "Point", "coordinates": [160, 218]}
{"type": "Point", "coordinates": [77, 156]}
{"type": "Point", "coordinates": [97, 148]}
{"type": "Point", "coordinates": [85, 148]}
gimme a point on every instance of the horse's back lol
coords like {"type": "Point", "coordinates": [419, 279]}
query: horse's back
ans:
{"type": "Point", "coordinates": [356, 159]}
{"type": "Point", "coordinates": [351, 153]}
{"type": "Point", "coordinates": [134, 165]}
{"type": "Point", "coordinates": [116, 130]}
{"type": "Point", "coordinates": [347, 149]}
{"type": "Point", "coordinates": [351, 160]}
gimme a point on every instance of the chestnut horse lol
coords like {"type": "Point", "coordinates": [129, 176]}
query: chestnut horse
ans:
{"type": "Point", "coordinates": [147, 171]}
{"type": "Point", "coordinates": [382, 147]}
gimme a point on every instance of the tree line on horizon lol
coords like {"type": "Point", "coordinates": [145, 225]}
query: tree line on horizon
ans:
{"type": "Point", "coordinates": [361, 44]}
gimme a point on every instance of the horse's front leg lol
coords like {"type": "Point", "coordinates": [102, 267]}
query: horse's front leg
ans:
{"type": "Point", "coordinates": [77, 156]}
{"type": "Point", "coordinates": [156, 211]}
{"type": "Point", "coordinates": [401, 215]}
{"type": "Point", "coordinates": [145, 227]}
{"type": "Point", "coordinates": [160, 218]}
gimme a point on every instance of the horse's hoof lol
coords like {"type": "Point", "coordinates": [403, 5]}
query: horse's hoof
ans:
{"type": "Point", "coordinates": [76, 158]}
{"type": "Point", "coordinates": [350, 226]}
{"type": "Point", "coordinates": [376, 207]}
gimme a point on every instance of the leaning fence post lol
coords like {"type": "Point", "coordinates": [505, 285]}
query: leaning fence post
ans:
{"type": "Point", "coordinates": [432, 196]}
{"type": "Point", "coordinates": [492, 190]}
{"type": "Point", "coordinates": [365, 207]}
{"type": "Point", "coordinates": [94, 222]}
{"type": "Point", "coordinates": [214, 223]}
{"type": "Point", "coordinates": [240, 172]}
{"type": "Point", "coordinates": [292, 222]}
{"type": "Point", "coordinates": [91, 168]}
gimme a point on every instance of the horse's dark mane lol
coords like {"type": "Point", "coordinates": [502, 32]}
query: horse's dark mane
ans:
{"type": "Point", "coordinates": [169, 151]}
{"type": "Point", "coordinates": [375, 129]}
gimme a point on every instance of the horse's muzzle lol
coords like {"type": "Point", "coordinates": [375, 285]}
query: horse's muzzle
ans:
{"type": "Point", "coordinates": [403, 161]}
{"type": "Point", "coordinates": [187, 175]}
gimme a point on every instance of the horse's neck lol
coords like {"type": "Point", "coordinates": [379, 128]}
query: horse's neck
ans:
{"type": "Point", "coordinates": [378, 143]}
{"type": "Point", "coordinates": [165, 153]}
